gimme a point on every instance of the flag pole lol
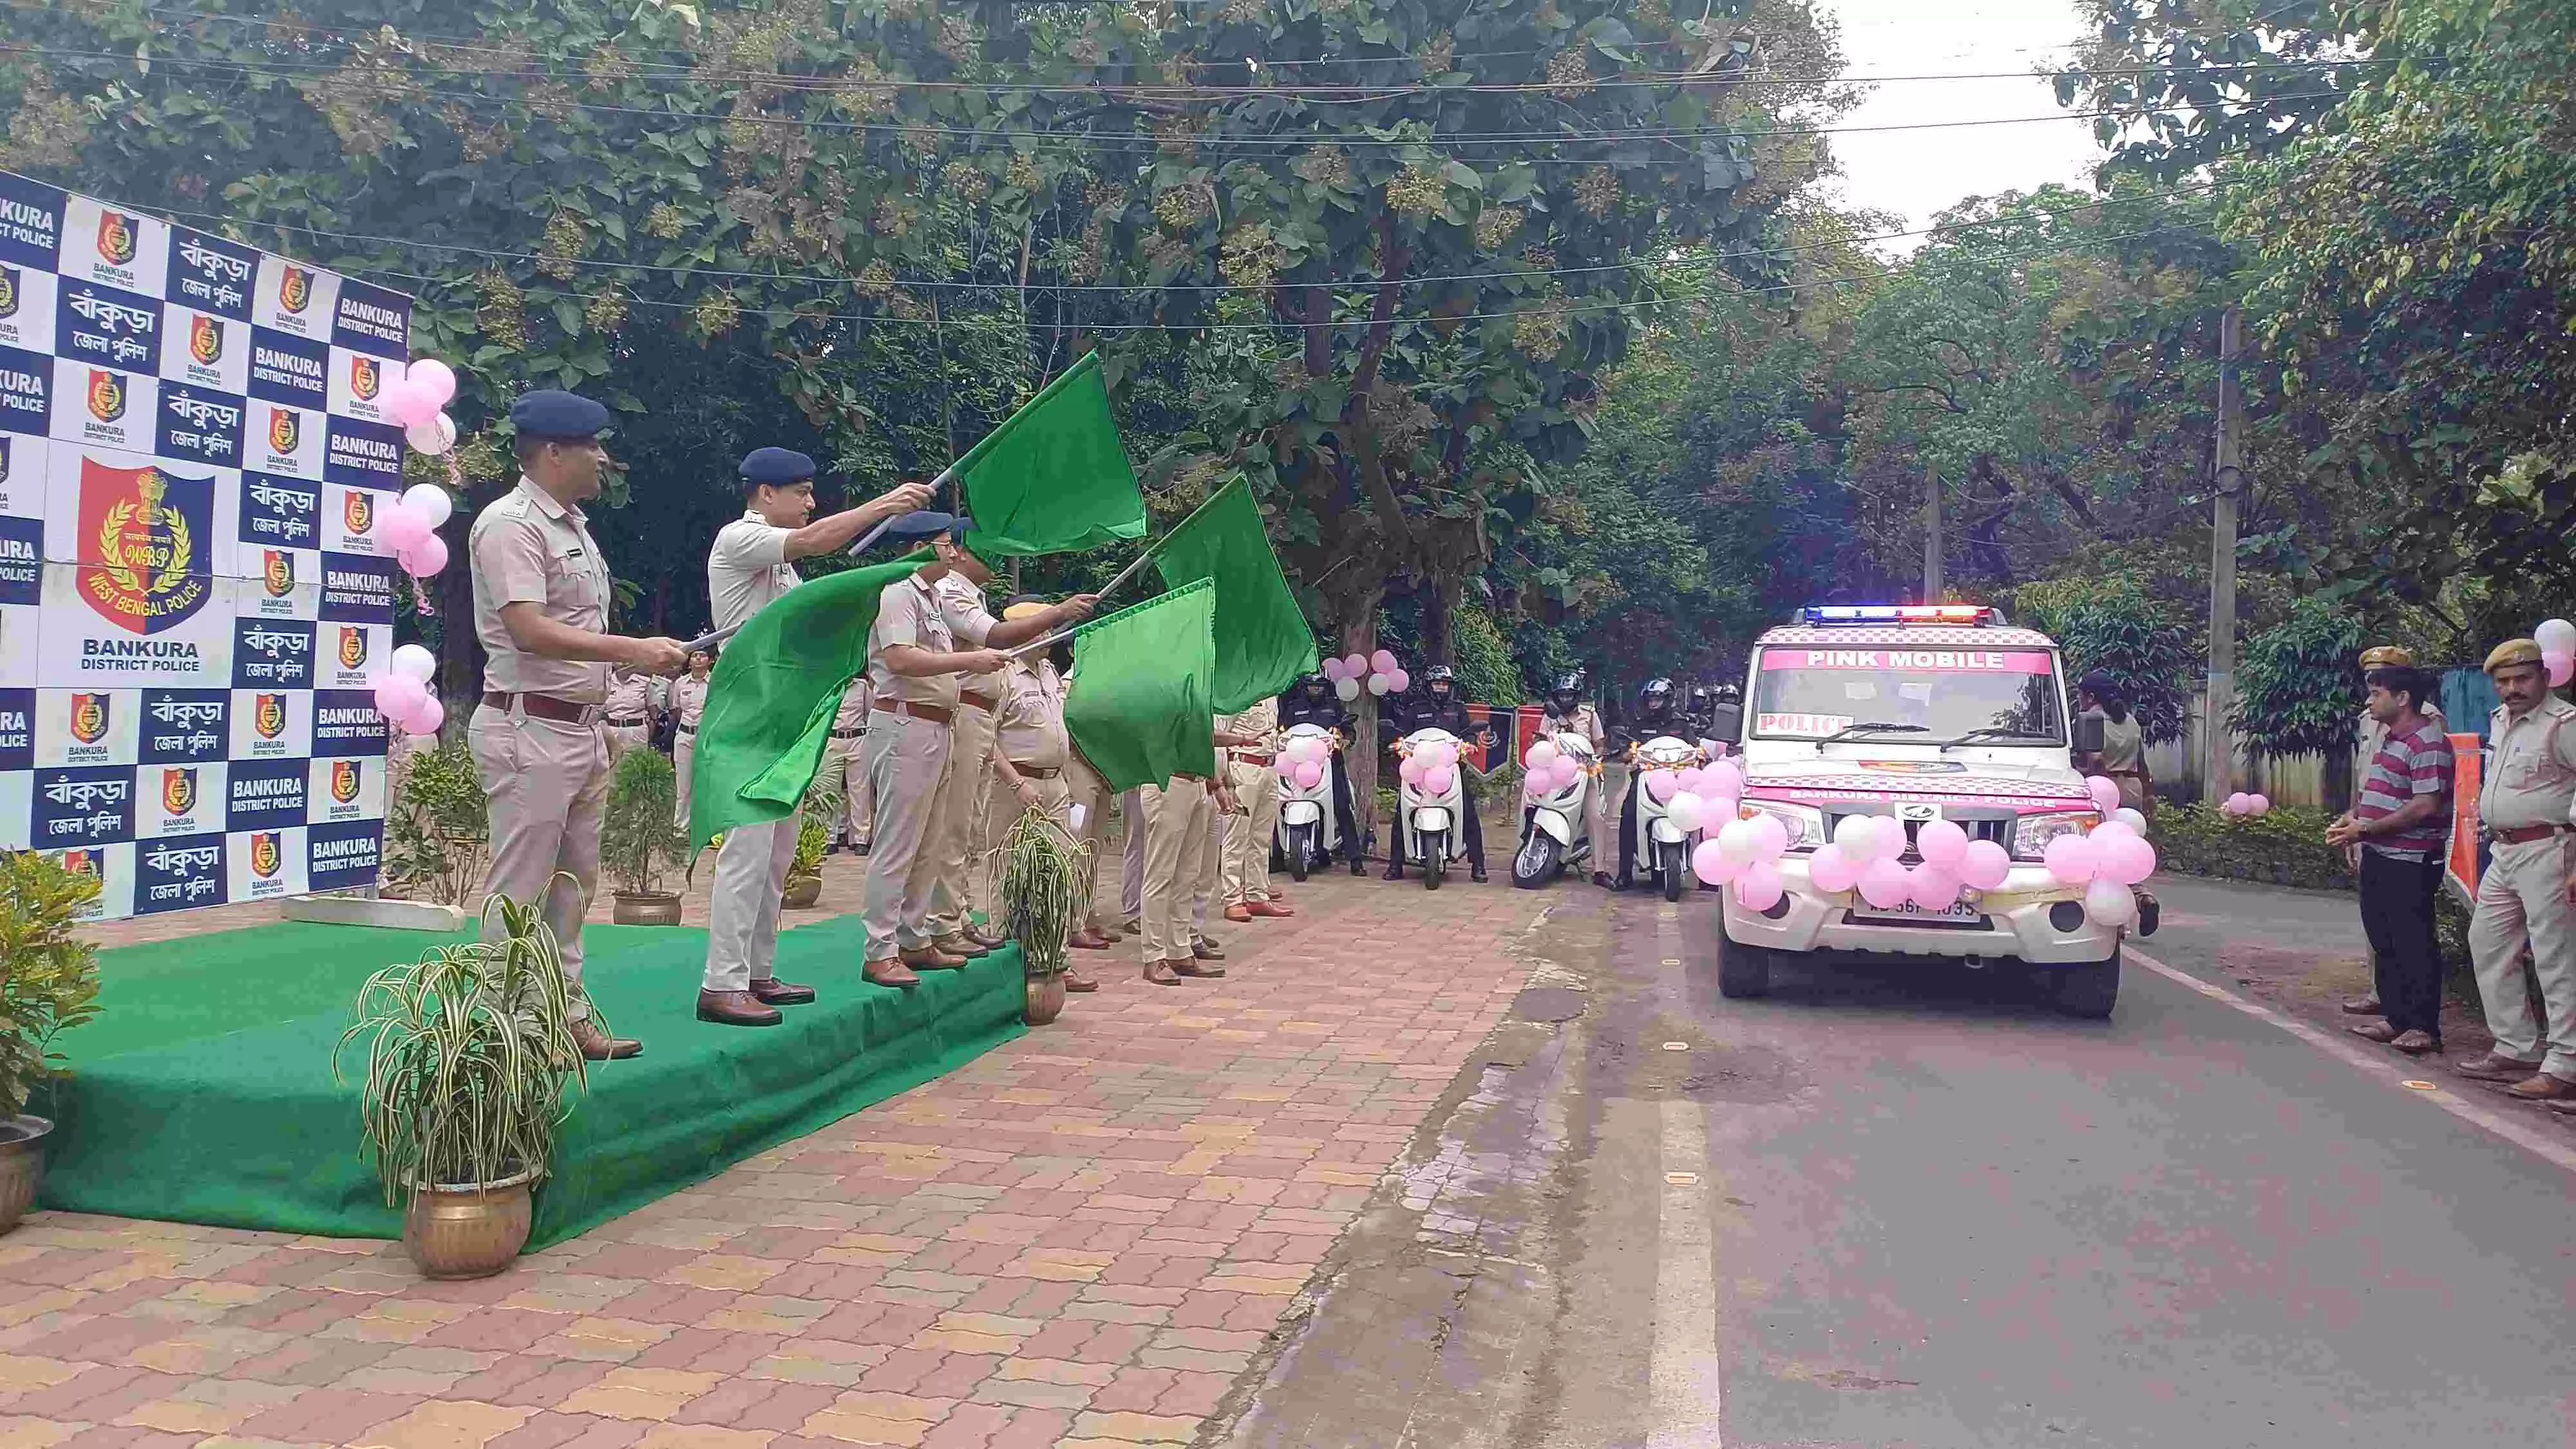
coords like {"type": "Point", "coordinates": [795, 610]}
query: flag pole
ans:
{"type": "Point", "coordinates": [709, 641]}
{"type": "Point", "coordinates": [1104, 591]}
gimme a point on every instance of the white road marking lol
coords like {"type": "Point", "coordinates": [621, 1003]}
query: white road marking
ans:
{"type": "Point", "coordinates": [1683, 1380]}
{"type": "Point", "coordinates": [2446, 1096]}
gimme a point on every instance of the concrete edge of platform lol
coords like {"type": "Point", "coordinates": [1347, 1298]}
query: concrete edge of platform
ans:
{"type": "Point", "coordinates": [362, 911]}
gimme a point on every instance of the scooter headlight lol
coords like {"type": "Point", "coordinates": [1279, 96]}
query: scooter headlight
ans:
{"type": "Point", "coordinates": [2032, 835]}
{"type": "Point", "coordinates": [1805, 823]}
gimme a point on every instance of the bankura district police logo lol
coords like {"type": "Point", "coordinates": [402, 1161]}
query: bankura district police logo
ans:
{"type": "Point", "coordinates": [115, 238]}
{"type": "Point", "coordinates": [268, 715]}
{"type": "Point", "coordinates": [294, 289]}
{"type": "Point", "coordinates": [146, 526]}
{"type": "Point", "coordinates": [266, 853]}
{"type": "Point", "coordinates": [353, 647]}
{"type": "Point", "coordinates": [344, 780]}
{"type": "Point", "coordinates": [357, 512]}
{"type": "Point", "coordinates": [362, 377]}
{"type": "Point", "coordinates": [277, 573]}
{"type": "Point", "coordinates": [206, 339]}
{"type": "Point", "coordinates": [89, 718]}
{"type": "Point", "coordinates": [179, 790]}
{"type": "Point", "coordinates": [8, 291]}
{"type": "Point", "coordinates": [283, 430]}
{"type": "Point", "coordinates": [106, 395]}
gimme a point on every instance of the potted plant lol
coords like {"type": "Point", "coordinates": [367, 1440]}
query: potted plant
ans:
{"type": "Point", "coordinates": [640, 839]}
{"type": "Point", "coordinates": [48, 984]}
{"type": "Point", "coordinates": [1039, 870]}
{"type": "Point", "coordinates": [468, 1049]}
{"type": "Point", "coordinates": [438, 833]}
{"type": "Point", "coordinates": [813, 842]}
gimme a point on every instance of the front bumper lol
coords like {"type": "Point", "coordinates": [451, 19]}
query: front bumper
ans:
{"type": "Point", "coordinates": [2016, 924]}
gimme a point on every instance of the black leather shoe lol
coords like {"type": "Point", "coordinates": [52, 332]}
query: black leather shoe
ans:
{"type": "Point", "coordinates": [1477, 874]}
{"type": "Point", "coordinates": [1395, 872]}
{"type": "Point", "coordinates": [782, 993]}
{"type": "Point", "coordinates": [1359, 866]}
{"type": "Point", "coordinates": [735, 1008]}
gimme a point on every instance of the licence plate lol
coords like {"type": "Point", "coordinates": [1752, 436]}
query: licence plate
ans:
{"type": "Point", "coordinates": [1957, 913]}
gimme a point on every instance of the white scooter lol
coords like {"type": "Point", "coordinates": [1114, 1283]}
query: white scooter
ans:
{"type": "Point", "coordinates": [1307, 827]}
{"type": "Point", "coordinates": [1433, 823]}
{"type": "Point", "coordinates": [1555, 821]}
{"type": "Point", "coordinates": [1661, 845]}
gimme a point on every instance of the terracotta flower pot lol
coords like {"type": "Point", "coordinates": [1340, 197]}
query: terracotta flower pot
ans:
{"type": "Point", "coordinates": [802, 892]}
{"type": "Point", "coordinates": [645, 908]}
{"type": "Point", "coordinates": [465, 1230]}
{"type": "Point", "coordinates": [22, 1163]}
{"type": "Point", "coordinates": [1045, 998]}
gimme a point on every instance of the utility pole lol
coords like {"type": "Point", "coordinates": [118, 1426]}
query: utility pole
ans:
{"type": "Point", "coordinates": [2216, 773]}
{"type": "Point", "coordinates": [1932, 587]}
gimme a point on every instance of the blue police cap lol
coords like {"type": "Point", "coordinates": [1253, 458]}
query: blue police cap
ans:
{"type": "Point", "coordinates": [552, 413]}
{"type": "Point", "coordinates": [776, 467]}
{"type": "Point", "coordinates": [923, 524]}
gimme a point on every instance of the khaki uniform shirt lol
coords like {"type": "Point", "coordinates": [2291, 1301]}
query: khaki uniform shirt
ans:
{"type": "Point", "coordinates": [1029, 729]}
{"type": "Point", "coordinates": [2531, 767]}
{"type": "Point", "coordinates": [1261, 719]}
{"type": "Point", "coordinates": [689, 700]}
{"type": "Point", "coordinates": [911, 611]}
{"type": "Point", "coordinates": [853, 713]}
{"type": "Point", "coordinates": [527, 548]}
{"type": "Point", "coordinates": [630, 696]}
{"type": "Point", "coordinates": [747, 569]}
{"type": "Point", "coordinates": [956, 594]}
{"type": "Point", "coordinates": [1585, 721]}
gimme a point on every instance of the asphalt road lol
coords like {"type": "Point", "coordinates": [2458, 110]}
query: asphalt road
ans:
{"type": "Point", "coordinates": [1914, 1206]}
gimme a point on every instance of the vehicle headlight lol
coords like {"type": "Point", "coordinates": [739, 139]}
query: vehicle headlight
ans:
{"type": "Point", "coordinates": [1806, 823]}
{"type": "Point", "coordinates": [2032, 835]}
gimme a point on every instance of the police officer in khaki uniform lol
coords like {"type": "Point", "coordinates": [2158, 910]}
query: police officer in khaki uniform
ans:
{"type": "Point", "coordinates": [688, 709]}
{"type": "Point", "coordinates": [540, 745]}
{"type": "Point", "coordinates": [2373, 735]}
{"type": "Point", "coordinates": [1089, 801]}
{"type": "Point", "coordinates": [629, 712]}
{"type": "Point", "coordinates": [2526, 804]}
{"type": "Point", "coordinates": [914, 663]}
{"type": "Point", "coordinates": [957, 820]}
{"type": "Point", "coordinates": [844, 771]}
{"type": "Point", "coordinates": [1568, 712]}
{"type": "Point", "coordinates": [1252, 769]}
{"type": "Point", "coordinates": [751, 565]}
{"type": "Point", "coordinates": [1031, 751]}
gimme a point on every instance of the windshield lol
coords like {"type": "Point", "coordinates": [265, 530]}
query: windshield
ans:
{"type": "Point", "coordinates": [1914, 696]}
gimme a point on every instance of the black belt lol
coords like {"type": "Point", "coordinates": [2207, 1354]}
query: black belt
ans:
{"type": "Point", "coordinates": [543, 706]}
{"type": "Point", "coordinates": [628, 724]}
{"type": "Point", "coordinates": [849, 734]}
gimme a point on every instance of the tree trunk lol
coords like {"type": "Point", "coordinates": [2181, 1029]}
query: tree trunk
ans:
{"type": "Point", "coordinates": [460, 653]}
{"type": "Point", "coordinates": [1359, 636]}
{"type": "Point", "coordinates": [1439, 608]}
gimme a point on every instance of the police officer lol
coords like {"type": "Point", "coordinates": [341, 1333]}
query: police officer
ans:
{"type": "Point", "coordinates": [1656, 715]}
{"type": "Point", "coordinates": [1031, 750]}
{"type": "Point", "coordinates": [1313, 702]}
{"type": "Point", "coordinates": [1246, 838]}
{"type": "Point", "coordinates": [844, 775]}
{"type": "Point", "coordinates": [914, 663]}
{"type": "Point", "coordinates": [2526, 803]}
{"type": "Point", "coordinates": [1440, 708]}
{"type": "Point", "coordinates": [688, 708]}
{"type": "Point", "coordinates": [1089, 797]}
{"type": "Point", "coordinates": [957, 820]}
{"type": "Point", "coordinates": [750, 566]}
{"type": "Point", "coordinates": [541, 593]}
{"type": "Point", "coordinates": [629, 712]}
{"type": "Point", "coordinates": [1569, 713]}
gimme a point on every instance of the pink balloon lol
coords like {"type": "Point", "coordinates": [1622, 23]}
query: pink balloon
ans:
{"type": "Point", "coordinates": [2127, 859]}
{"type": "Point", "coordinates": [1711, 865]}
{"type": "Point", "coordinates": [1288, 770]}
{"type": "Point", "coordinates": [2562, 667]}
{"type": "Point", "coordinates": [1383, 661]}
{"type": "Point", "coordinates": [1929, 886]}
{"type": "Point", "coordinates": [1984, 865]}
{"type": "Point", "coordinates": [400, 527]}
{"type": "Point", "coordinates": [433, 378]}
{"type": "Point", "coordinates": [1440, 779]}
{"type": "Point", "coordinates": [405, 403]}
{"type": "Point", "coordinates": [1397, 681]}
{"type": "Point", "coordinates": [2236, 804]}
{"type": "Point", "coordinates": [1771, 838]}
{"type": "Point", "coordinates": [1726, 777]}
{"type": "Point", "coordinates": [425, 558]}
{"type": "Point", "coordinates": [1761, 888]}
{"type": "Point", "coordinates": [1334, 670]}
{"type": "Point", "coordinates": [1883, 884]}
{"type": "Point", "coordinates": [1412, 769]}
{"type": "Point", "coordinates": [1568, 770]}
{"type": "Point", "coordinates": [1942, 843]}
{"type": "Point", "coordinates": [2258, 804]}
{"type": "Point", "coordinates": [425, 719]}
{"type": "Point", "coordinates": [1890, 837]}
{"type": "Point", "coordinates": [2072, 858]}
{"type": "Point", "coordinates": [1309, 775]}
{"type": "Point", "coordinates": [397, 695]}
{"type": "Point", "coordinates": [1542, 754]}
{"type": "Point", "coordinates": [2105, 792]}
{"type": "Point", "coordinates": [1355, 666]}
{"type": "Point", "coordinates": [1662, 785]}
{"type": "Point", "coordinates": [1832, 871]}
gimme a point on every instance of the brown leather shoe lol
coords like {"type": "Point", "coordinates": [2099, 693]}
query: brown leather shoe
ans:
{"type": "Point", "coordinates": [984, 936]}
{"type": "Point", "coordinates": [960, 945]}
{"type": "Point", "coordinates": [2493, 1068]}
{"type": "Point", "coordinates": [1164, 973]}
{"type": "Point", "coordinates": [599, 1046]}
{"type": "Point", "coordinates": [1206, 950]}
{"type": "Point", "coordinates": [1111, 934]}
{"type": "Point", "coordinates": [1241, 915]}
{"type": "Point", "coordinates": [1198, 970]}
{"type": "Point", "coordinates": [1272, 909]}
{"type": "Point", "coordinates": [2543, 1087]}
{"type": "Point", "coordinates": [1087, 940]}
{"type": "Point", "coordinates": [736, 1008]}
{"type": "Point", "coordinates": [889, 973]}
{"type": "Point", "coordinates": [2362, 1006]}
{"type": "Point", "coordinates": [782, 993]}
{"type": "Point", "coordinates": [1079, 980]}
{"type": "Point", "coordinates": [932, 958]}
{"type": "Point", "coordinates": [1279, 895]}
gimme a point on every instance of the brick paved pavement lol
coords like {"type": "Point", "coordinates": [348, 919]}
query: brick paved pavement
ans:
{"type": "Point", "coordinates": [1080, 1239]}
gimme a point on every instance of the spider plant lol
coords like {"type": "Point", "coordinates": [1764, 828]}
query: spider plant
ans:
{"type": "Point", "coordinates": [467, 1052]}
{"type": "Point", "coordinates": [1039, 869]}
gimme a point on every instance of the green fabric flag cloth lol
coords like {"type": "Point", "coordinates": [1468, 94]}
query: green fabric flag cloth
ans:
{"type": "Point", "coordinates": [1263, 644]}
{"type": "Point", "coordinates": [1138, 708]}
{"type": "Point", "coordinates": [776, 687]}
{"type": "Point", "coordinates": [1053, 478]}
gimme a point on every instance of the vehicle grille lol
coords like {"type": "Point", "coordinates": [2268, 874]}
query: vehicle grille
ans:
{"type": "Point", "coordinates": [1994, 825]}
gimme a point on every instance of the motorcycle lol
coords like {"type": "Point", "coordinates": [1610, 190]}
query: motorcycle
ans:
{"type": "Point", "coordinates": [1660, 841]}
{"type": "Point", "coordinates": [1432, 819]}
{"type": "Point", "coordinates": [1550, 822]}
{"type": "Point", "coordinates": [1307, 827]}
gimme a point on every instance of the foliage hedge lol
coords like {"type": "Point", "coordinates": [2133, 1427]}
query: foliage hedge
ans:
{"type": "Point", "coordinates": [2286, 847]}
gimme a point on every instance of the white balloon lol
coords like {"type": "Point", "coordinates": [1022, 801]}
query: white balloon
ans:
{"type": "Point", "coordinates": [1686, 810]}
{"type": "Point", "coordinates": [414, 662]}
{"type": "Point", "coordinates": [1738, 841]}
{"type": "Point", "coordinates": [431, 502]}
{"type": "Point", "coordinates": [433, 437]}
{"type": "Point", "coordinates": [1377, 683]}
{"type": "Point", "coordinates": [1348, 689]}
{"type": "Point", "coordinates": [2109, 904]}
{"type": "Point", "coordinates": [1858, 836]}
{"type": "Point", "coordinates": [2555, 636]}
{"type": "Point", "coordinates": [2130, 818]}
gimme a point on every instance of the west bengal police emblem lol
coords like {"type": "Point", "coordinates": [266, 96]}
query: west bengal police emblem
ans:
{"type": "Point", "coordinates": [277, 572]}
{"type": "Point", "coordinates": [267, 853]}
{"type": "Point", "coordinates": [294, 289]}
{"type": "Point", "coordinates": [344, 780]}
{"type": "Point", "coordinates": [362, 377]}
{"type": "Point", "coordinates": [8, 291]}
{"type": "Point", "coordinates": [179, 790]}
{"type": "Point", "coordinates": [353, 646]}
{"type": "Point", "coordinates": [106, 395]}
{"type": "Point", "coordinates": [89, 718]}
{"type": "Point", "coordinates": [85, 862]}
{"type": "Point", "coordinates": [145, 527]}
{"type": "Point", "coordinates": [115, 237]}
{"type": "Point", "coordinates": [357, 511]}
{"type": "Point", "coordinates": [268, 715]}
{"type": "Point", "coordinates": [206, 339]}
{"type": "Point", "coordinates": [283, 430]}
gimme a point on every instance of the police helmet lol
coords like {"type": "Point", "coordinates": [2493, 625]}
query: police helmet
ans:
{"type": "Point", "coordinates": [1656, 697]}
{"type": "Point", "coordinates": [1315, 684]}
{"type": "Point", "coordinates": [1440, 679]}
{"type": "Point", "coordinates": [1567, 691]}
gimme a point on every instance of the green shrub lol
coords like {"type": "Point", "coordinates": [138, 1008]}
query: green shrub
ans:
{"type": "Point", "coordinates": [437, 831]}
{"type": "Point", "coordinates": [48, 974]}
{"type": "Point", "coordinates": [639, 833]}
{"type": "Point", "coordinates": [2286, 847]}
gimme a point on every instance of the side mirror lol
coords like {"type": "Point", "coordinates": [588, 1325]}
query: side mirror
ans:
{"type": "Point", "coordinates": [1726, 723]}
{"type": "Point", "coordinates": [2088, 734]}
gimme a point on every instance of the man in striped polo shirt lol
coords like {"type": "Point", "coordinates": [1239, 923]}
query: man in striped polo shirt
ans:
{"type": "Point", "coordinates": [2401, 826]}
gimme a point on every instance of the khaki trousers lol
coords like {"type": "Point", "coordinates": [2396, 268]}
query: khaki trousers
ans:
{"type": "Point", "coordinates": [1211, 880]}
{"type": "Point", "coordinates": [906, 758]}
{"type": "Point", "coordinates": [2523, 897]}
{"type": "Point", "coordinates": [1601, 815]}
{"type": "Point", "coordinates": [1131, 872]}
{"type": "Point", "coordinates": [957, 882]}
{"type": "Point", "coordinates": [684, 757]}
{"type": "Point", "coordinates": [622, 738]}
{"type": "Point", "coordinates": [1176, 820]}
{"type": "Point", "coordinates": [1088, 790]}
{"type": "Point", "coordinates": [845, 770]}
{"type": "Point", "coordinates": [1248, 836]}
{"type": "Point", "coordinates": [742, 915]}
{"type": "Point", "coordinates": [549, 784]}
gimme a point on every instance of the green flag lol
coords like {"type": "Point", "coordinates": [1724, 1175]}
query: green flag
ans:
{"type": "Point", "coordinates": [1263, 644]}
{"type": "Point", "coordinates": [1138, 709]}
{"type": "Point", "coordinates": [1053, 477]}
{"type": "Point", "coordinates": [776, 688]}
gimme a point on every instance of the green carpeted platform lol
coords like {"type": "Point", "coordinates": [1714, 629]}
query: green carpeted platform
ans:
{"type": "Point", "coordinates": [203, 1092]}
